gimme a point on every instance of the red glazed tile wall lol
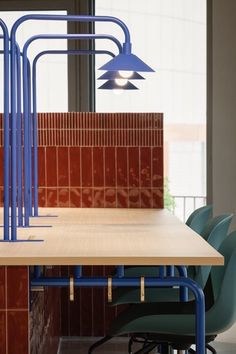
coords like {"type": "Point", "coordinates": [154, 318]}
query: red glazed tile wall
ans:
{"type": "Point", "coordinates": [94, 160]}
{"type": "Point", "coordinates": [45, 318]}
{"type": "Point", "coordinates": [101, 160]}
{"type": "Point", "coordinates": [14, 310]}
{"type": "Point", "coordinates": [98, 160]}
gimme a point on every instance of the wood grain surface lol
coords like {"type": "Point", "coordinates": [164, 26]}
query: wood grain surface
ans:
{"type": "Point", "coordinates": [108, 237]}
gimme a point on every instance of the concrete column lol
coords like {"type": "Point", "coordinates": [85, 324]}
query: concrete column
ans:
{"type": "Point", "coordinates": [222, 112]}
{"type": "Point", "coordinates": [222, 106]}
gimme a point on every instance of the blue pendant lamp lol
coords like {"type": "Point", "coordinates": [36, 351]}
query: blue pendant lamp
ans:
{"type": "Point", "coordinates": [126, 61]}
{"type": "Point", "coordinates": [113, 75]}
{"type": "Point", "coordinates": [112, 85]}
{"type": "Point", "coordinates": [123, 62]}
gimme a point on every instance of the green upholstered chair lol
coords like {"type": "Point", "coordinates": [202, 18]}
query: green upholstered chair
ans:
{"type": "Point", "coordinates": [199, 218]}
{"type": "Point", "coordinates": [174, 323]}
{"type": "Point", "coordinates": [214, 233]}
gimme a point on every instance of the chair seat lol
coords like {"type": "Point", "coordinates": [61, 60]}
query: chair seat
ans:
{"type": "Point", "coordinates": [161, 319]}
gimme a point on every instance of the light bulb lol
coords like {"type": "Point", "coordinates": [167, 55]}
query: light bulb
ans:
{"type": "Point", "coordinates": [126, 74]}
{"type": "Point", "coordinates": [121, 82]}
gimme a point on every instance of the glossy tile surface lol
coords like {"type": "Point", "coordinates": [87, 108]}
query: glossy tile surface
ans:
{"type": "Point", "coordinates": [45, 318]}
{"type": "Point", "coordinates": [103, 162]}
{"type": "Point", "coordinates": [17, 287]}
{"type": "Point", "coordinates": [108, 160]}
{"type": "Point", "coordinates": [17, 332]}
{"type": "Point", "coordinates": [86, 160]}
{"type": "Point", "coordinates": [2, 332]}
{"type": "Point", "coordinates": [2, 288]}
{"type": "Point", "coordinates": [14, 310]}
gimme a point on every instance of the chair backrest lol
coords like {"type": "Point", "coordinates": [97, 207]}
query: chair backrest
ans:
{"type": "Point", "coordinates": [199, 218]}
{"type": "Point", "coordinates": [216, 230]}
{"type": "Point", "coordinates": [214, 233]}
{"type": "Point", "coordinates": [222, 314]}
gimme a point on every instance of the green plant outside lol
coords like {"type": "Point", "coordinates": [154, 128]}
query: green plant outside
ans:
{"type": "Point", "coordinates": [169, 202]}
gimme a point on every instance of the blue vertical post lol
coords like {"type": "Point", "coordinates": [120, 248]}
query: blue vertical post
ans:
{"type": "Point", "coordinates": [120, 271]}
{"type": "Point", "coordinates": [78, 272]}
{"type": "Point", "coordinates": [30, 137]}
{"type": "Point", "coordinates": [35, 139]}
{"type": "Point", "coordinates": [6, 147]}
{"type": "Point", "coordinates": [37, 271]}
{"type": "Point", "coordinates": [19, 141]}
{"type": "Point", "coordinates": [26, 142]}
{"type": "Point", "coordinates": [13, 138]}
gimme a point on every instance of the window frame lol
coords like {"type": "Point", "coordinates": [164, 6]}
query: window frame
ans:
{"type": "Point", "coordinates": [81, 75]}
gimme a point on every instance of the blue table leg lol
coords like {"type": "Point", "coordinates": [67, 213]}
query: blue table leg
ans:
{"type": "Point", "coordinates": [135, 281]}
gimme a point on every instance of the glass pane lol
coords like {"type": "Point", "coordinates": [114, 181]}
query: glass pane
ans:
{"type": "Point", "coordinates": [52, 78]}
{"type": "Point", "coordinates": [170, 36]}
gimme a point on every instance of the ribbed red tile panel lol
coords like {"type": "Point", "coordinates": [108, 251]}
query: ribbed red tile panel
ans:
{"type": "Point", "coordinates": [14, 310]}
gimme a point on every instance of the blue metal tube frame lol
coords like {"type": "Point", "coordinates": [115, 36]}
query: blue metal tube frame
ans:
{"type": "Point", "coordinates": [126, 49]}
{"type": "Point", "coordinates": [27, 116]}
{"type": "Point", "coordinates": [19, 139]}
{"type": "Point", "coordinates": [120, 271]}
{"type": "Point", "coordinates": [135, 282]}
{"type": "Point", "coordinates": [183, 291]}
{"type": "Point", "coordinates": [78, 272]}
{"type": "Point", "coordinates": [78, 269]}
{"type": "Point", "coordinates": [37, 271]}
{"type": "Point", "coordinates": [19, 136]}
{"type": "Point", "coordinates": [6, 148]}
{"type": "Point", "coordinates": [28, 83]}
{"type": "Point", "coordinates": [34, 107]}
{"type": "Point", "coordinates": [170, 271]}
{"type": "Point", "coordinates": [162, 271]}
{"type": "Point", "coordinates": [98, 281]}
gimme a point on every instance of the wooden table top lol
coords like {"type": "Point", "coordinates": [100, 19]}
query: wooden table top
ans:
{"type": "Point", "coordinates": [81, 236]}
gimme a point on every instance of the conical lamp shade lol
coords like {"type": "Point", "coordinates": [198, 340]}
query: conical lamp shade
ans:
{"type": "Point", "coordinates": [112, 75]}
{"type": "Point", "coordinates": [112, 85]}
{"type": "Point", "coordinates": [126, 62]}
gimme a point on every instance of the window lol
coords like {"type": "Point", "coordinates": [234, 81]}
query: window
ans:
{"type": "Point", "coordinates": [170, 36]}
{"type": "Point", "coordinates": [61, 87]}
{"type": "Point", "coordinates": [52, 76]}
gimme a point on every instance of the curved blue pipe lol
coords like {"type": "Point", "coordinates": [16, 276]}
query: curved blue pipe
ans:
{"type": "Point", "coordinates": [79, 36]}
{"type": "Point", "coordinates": [6, 147]}
{"type": "Point", "coordinates": [76, 18]}
{"type": "Point", "coordinates": [27, 136]}
{"type": "Point", "coordinates": [34, 109]}
{"type": "Point", "coordinates": [126, 49]}
{"type": "Point", "coordinates": [19, 135]}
